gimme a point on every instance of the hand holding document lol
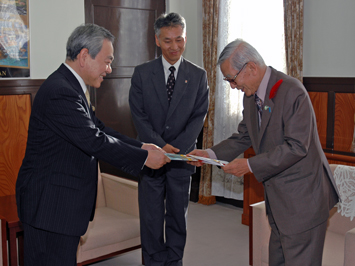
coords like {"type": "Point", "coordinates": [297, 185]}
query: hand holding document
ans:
{"type": "Point", "coordinates": [156, 158]}
{"type": "Point", "coordinates": [194, 158]}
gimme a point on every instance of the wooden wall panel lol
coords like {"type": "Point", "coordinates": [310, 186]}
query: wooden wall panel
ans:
{"type": "Point", "coordinates": [344, 121]}
{"type": "Point", "coordinates": [339, 111]}
{"type": "Point", "coordinates": [15, 113]}
{"type": "Point", "coordinates": [16, 98]}
{"type": "Point", "coordinates": [320, 105]}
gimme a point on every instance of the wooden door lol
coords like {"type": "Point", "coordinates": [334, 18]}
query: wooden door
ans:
{"type": "Point", "coordinates": [132, 23]}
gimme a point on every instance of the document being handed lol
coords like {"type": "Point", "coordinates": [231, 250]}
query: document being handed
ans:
{"type": "Point", "coordinates": [194, 158]}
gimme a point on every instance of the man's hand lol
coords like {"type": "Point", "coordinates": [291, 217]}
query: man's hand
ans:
{"type": "Point", "coordinates": [156, 159]}
{"type": "Point", "coordinates": [170, 149]}
{"type": "Point", "coordinates": [201, 153]}
{"type": "Point", "coordinates": [151, 147]}
{"type": "Point", "coordinates": [237, 167]}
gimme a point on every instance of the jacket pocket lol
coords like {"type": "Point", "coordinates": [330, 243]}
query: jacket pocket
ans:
{"type": "Point", "coordinates": [297, 178]}
{"type": "Point", "coordinates": [65, 180]}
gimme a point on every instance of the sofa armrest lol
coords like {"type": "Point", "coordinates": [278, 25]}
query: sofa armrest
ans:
{"type": "Point", "coordinates": [121, 194]}
{"type": "Point", "coordinates": [349, 255]}
{"type": "Point", "coordinates": [261, 231]}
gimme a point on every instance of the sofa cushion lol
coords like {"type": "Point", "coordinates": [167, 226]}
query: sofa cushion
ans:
{"type": "Point", "coordinates": [125, 226]}
{"type": "Point", "coordinates": [333, 253]}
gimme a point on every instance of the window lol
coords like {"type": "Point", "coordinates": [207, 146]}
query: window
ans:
{"type": "Point", "coordinates": [260, 23]}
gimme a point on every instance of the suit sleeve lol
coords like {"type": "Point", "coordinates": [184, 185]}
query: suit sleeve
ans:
{"type": "Point", "coordinates": [185, 141]}
{"type": "Point", "coordinates": [231, 148]}
{"type": "Point", "coordinates": [116, 134]}
{"type": "Point", "coordinates": [69, 117]}
{"type": "Point", "coordinates": [140, 117]}
{"type": "Point", "coordinates": [295, 130]}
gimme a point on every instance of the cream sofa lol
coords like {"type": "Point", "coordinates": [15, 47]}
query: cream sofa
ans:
{"type": "Point", "coordinates": [115, 228]}
{"type": "Point", "coordinates": [339, 246]}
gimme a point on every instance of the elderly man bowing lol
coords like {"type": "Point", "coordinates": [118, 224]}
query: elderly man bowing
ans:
{"type": "Point", "coordinates": [279, 123]}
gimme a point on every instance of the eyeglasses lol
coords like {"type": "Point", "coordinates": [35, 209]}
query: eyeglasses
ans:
{"type": "Point", "coordinates": [232, 80]}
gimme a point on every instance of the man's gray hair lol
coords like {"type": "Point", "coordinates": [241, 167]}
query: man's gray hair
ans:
{"type": "Point", "coordinates": [169, 20]}
{"type": "Point", "coordinates": [90, 36]}
{"type": "Point", "coordinates": [240, 53]}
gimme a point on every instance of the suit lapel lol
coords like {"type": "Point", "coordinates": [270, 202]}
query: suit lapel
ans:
{"type": "Point", "coordinates": [158, 79]}
{"type": "Point", "coordinates": [268, 106]}
{"type": "Point", "coordinates": [75, 85]}
{"type": "Point", "coordinates": [253, 121]}
{"type": "Point", "coordinates": [181, 84]}
{"type": "Point", "coordinates": [73, 80]}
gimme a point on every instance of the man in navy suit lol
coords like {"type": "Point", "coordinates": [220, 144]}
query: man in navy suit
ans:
{"type": "Point", "coordinates": [169, 101]}
{"type": "Point", "coordinates": [57, 183]}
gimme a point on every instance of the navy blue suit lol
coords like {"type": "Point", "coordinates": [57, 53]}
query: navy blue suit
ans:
{"type": "Point", "coordinates": [178, 124]}
{"type": "Point", "coordinates": [57, 182]}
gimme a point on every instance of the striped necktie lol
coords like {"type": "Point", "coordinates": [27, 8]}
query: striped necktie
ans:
{"type": "Point", "coordinates": [259, 104]}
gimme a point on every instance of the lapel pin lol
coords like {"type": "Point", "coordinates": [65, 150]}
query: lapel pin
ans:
{"type": "Point", "coordinates": [267, 107]}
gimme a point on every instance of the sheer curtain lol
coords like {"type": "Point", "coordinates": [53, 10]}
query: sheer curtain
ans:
{"type": "Point", "coordinates": [260, 23]}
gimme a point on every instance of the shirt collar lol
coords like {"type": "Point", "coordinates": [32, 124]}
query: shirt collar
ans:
{"type": "Point", "coordinates": [167, 65]}
{"type": "Point", "coordinates": [81, 81]}
{"type": "Point", "coordinates": [263, 85]}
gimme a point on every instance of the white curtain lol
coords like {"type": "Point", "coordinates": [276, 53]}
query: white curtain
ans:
{"type": "Point", "coordinates": [260, 23]}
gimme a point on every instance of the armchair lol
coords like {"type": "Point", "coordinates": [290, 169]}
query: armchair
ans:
{"type": "Point", "coordinates": [115, 228]}
{"type": "Point", "coordinates": [339, 243]}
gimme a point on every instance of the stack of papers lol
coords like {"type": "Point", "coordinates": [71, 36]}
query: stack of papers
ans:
{"type": "Point", "coordinates": [194, 158]}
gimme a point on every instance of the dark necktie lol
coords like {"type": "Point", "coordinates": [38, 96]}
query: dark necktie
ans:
{"type": "Point", "coordinates": [259, 104]}
{"type": "Point", "coordinates": [171, 83]}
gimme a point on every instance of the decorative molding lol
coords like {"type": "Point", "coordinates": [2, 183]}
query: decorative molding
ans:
{"type": "Point", "coordinates": [20, 86]}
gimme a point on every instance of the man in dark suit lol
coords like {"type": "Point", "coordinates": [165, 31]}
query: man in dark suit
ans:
{"type": "Point", "coordinates": [168, 109]}
{"type": "Point", "coordinates": [57, 183]}
{"type": "Point", "coordinates": [282, 128]}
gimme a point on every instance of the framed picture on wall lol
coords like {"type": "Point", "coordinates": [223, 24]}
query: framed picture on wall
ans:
{"type": "Point", "coordinates": [14, 39]}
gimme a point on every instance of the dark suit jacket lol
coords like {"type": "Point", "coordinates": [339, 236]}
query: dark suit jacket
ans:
{"type": "Point", "coordinates": [178, 124]}
{"type": "Point", "coordinates": [56, 185]}
{"type": "Point", "coordinates": [299, 186]}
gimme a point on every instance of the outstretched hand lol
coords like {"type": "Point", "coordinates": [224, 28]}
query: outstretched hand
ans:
{"type": "Point", "coordinates": [151, 147]}
{"type": "Point", "coordinates": [237, 167]}
{"type": "Point", "coordinates": [156, 156]}
{"type": "Point", "coordinates": [170, 149]}
{"type": "Point", "coordinates": [201, 153]}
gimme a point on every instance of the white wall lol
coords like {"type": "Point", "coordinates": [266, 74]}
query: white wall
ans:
{"type": "Point", "coordinates": [329, 37]}
{"type": "Point", "coordinates": [51, 23]}
{"type": "Point", "coordinates": [191, 10]}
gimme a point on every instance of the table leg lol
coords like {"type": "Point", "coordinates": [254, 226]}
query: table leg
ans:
{"type": "Point", "coordinates": [12, 248]}
{"type": "Point", "coordinates": [20, 249]}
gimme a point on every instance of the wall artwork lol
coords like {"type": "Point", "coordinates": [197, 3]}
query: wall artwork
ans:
{"type": "Point", "coordinates": [14, 39]}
